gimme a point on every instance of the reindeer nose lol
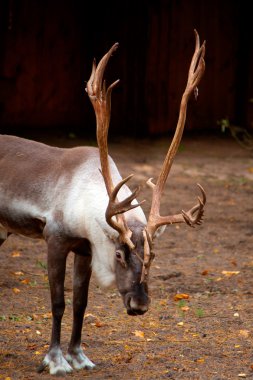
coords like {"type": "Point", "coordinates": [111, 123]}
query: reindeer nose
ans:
{"type": "Point", "coordinates": [137, 305]}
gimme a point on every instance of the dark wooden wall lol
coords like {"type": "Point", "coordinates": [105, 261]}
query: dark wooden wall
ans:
{"type": "Point", "coordinates": [47, 48]}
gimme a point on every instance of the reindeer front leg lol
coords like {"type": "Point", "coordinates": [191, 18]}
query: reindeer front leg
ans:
{"type": "Point", "coordinates": [57, 255]}
{"type": "Point", "coordinates": [82, 274]}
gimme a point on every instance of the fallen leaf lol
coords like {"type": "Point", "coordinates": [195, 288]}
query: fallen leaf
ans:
{"type": "Point", "coordinates": [180, 324]}
{"type": "Point", "coordinates": [99, 324]}
{"type": "Point", "coordinates": [205, 272]}
{"type": "Point", "coordinates": [244, 333]}
{"type": "Point", "coordinates": [15, 254]}
{"type": "Point", "coordinates": [38, 332]}
{"type": "Point", "coordinates": [243, 375]}
{"type": "Point", "coordinates": [139, 334]}
{"type": "Point", "coordinates": [19, 273]}
{"type": "Point", "coordinates": [90, 318]}
{"type": "Point", "coordinates": [181, 296]}
{"type": "Point", "coordinates": [16, 290]}
{"type": "Point", "coordinates": [26, 281]}
{"type": "Point", "coordinates": [89, 315]}
{"type": "Point", "coordinates": [153, 324]}
{"type": "Point", "coordinates": [185, 308]}
{"type": "Point", "coordinates": [230, 273]}
{"type": "Point", "coordinates": [250, 170]}
{"type": "Point", "coordinates": [47, 315]}
{"type": "Point", "coordinates": [200, 360]}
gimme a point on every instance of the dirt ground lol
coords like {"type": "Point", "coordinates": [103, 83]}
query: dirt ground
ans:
{"type": "Point", "coordinates": [206, 335]}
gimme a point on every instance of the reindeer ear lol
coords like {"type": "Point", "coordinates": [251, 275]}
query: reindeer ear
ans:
{"type": "Point", "coordinates": [107, 230]}
{"type": "Point", "coordinates": [159, 231]}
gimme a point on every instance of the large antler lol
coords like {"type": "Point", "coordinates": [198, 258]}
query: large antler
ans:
{"type": "Point", "coordinates": [195, 214]}
{"type": "Point", "coordinates": [101, 100]}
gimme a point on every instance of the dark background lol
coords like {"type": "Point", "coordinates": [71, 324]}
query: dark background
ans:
{"type": "Point", "coordinates": [47, 48]}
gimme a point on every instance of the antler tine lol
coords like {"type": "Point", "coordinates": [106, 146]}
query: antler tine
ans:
{"type": "Point", "coordinates": [189, 217]}
{"type": "Point", "coordinates": [120, 184]}
{"type": "Point", "coordinates": [101, 68]}
{"type": "Point", "coordinates": [94, 84]}
{"type": "Point", "coordinates": [203, 193]}
{"type": "Point", "coordinates": [196, 71]}
{"type": "Point", "coordinates": [101, 100]}
{"type": "Point", "coordinates": [89, 88]}
{"type": "Point", "coordinates": [115, 208]}
{"type": "Point", "coordinates": [196, 54]}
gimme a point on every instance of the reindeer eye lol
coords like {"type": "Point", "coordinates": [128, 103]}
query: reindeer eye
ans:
{"type": "Point", "coordinates": [119, 255]}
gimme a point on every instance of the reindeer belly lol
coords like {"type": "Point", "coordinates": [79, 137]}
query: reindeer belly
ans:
{"type": "Point", "coordinates": [21, 219]}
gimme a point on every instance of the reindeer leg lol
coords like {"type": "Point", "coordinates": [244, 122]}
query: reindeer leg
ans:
{"type": "Point", "coordinates": [82, 274]}
{"type": "Point", "coordinates": [57, 255]}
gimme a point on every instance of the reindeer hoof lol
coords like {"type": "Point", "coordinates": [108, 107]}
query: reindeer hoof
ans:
{"type": "Point", "coordinates": [78, 360]}
{"type": "Point", "coordinates": [58, 365]}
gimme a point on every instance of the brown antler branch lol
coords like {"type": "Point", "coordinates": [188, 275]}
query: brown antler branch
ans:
{"type": "Point", "coordinates": [101, 100]}
{"type": "Point", "coordinates": [193, 216]}
{"type": "Point", "coordinates": [115, 207]}
{"type": "Point", "coordinates": [148, 256]}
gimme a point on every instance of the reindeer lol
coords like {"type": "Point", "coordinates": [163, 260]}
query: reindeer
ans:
{"type": "Point", "coordinates": [77, 201]}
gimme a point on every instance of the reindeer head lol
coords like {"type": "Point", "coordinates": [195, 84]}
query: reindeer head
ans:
{"type": "Point", "coordinates": [133, 246]}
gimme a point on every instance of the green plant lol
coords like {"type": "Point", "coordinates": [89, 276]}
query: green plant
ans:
{"type": "Point", "coordinates": [199, 312]}
{"type": "Point", "coordinates": [41, 264]}
{"type": "Point", "coordinates": [14, 318]}
{"type": "Point", "coordinates": [181, 303]}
